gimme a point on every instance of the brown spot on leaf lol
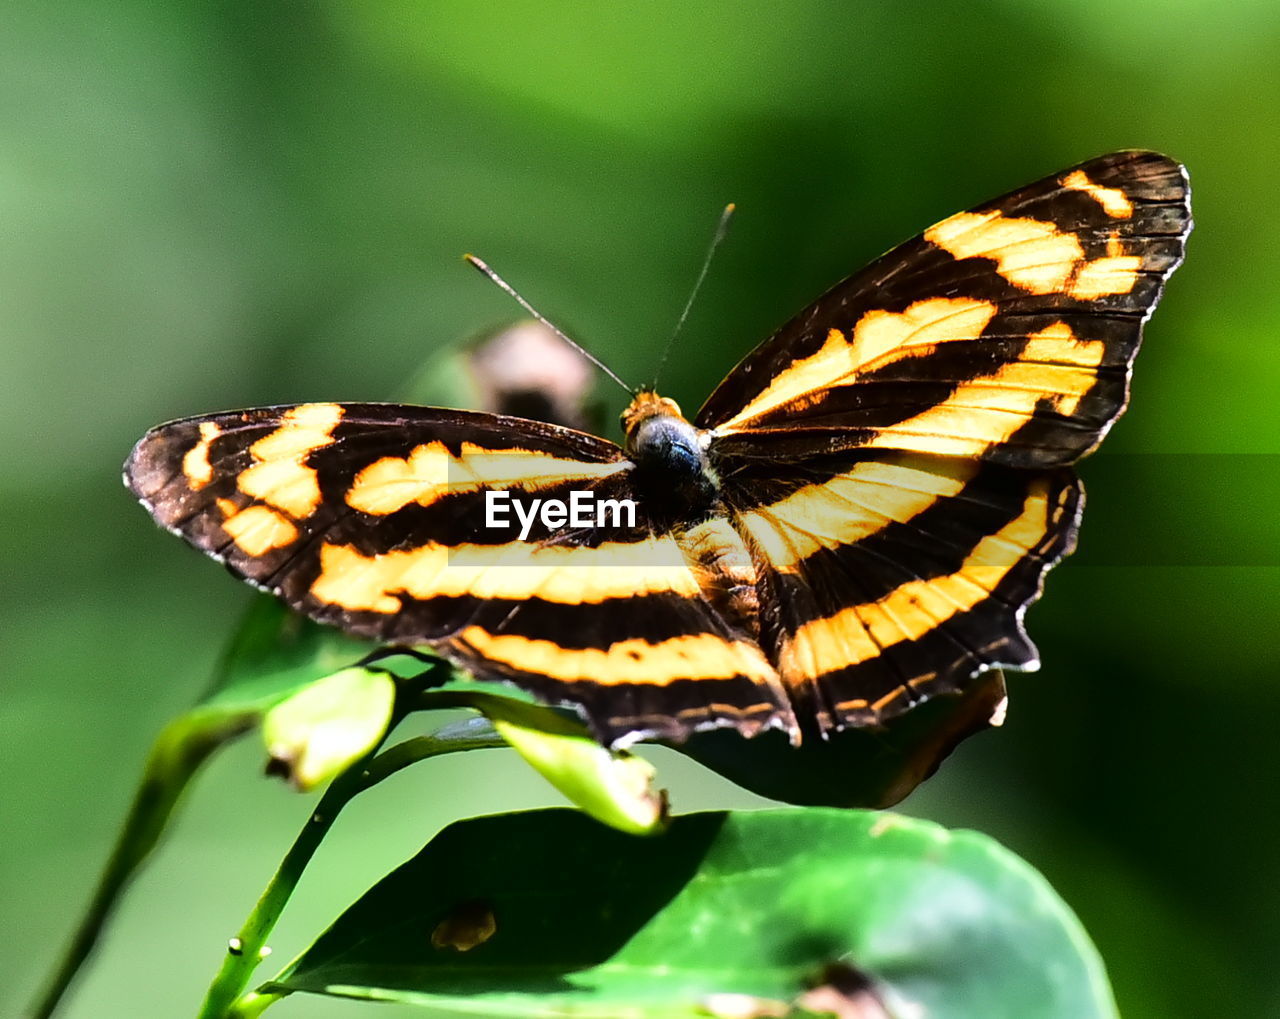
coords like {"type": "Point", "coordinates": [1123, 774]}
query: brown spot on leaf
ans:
{"type": "Point", "coordinates": [467, 925]}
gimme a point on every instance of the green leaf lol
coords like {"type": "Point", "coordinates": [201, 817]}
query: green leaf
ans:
{"type": "Point", "coordinates": [546, 912]}
{"type": "Point", "coordinates": [274, 652]}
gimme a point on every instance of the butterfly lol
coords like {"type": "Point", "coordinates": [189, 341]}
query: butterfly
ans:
{"type": "Point", "coordinates": [854, 522]}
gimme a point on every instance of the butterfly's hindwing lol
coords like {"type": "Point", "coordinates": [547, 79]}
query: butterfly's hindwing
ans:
{"type": "Point", "coordinates": [898, 577]}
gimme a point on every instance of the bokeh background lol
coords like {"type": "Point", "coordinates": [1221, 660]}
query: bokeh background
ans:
{"type": "Point", "coordinates": [217, 204]}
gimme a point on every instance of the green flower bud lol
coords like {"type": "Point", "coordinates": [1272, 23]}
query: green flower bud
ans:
{"type": "Point", "coordinates": [319, 731]}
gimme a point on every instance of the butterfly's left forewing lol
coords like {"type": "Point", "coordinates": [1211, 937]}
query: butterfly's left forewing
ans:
{"type": "Point", "coordinates": [373, 518]}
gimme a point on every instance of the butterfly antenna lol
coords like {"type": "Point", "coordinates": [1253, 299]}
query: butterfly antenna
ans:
{"type": "Point", "coordinates": [722, 228]}
{"type": "Point", "coordinates": [484, 268]}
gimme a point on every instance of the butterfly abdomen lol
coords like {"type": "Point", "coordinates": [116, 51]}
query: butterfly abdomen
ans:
{"type": "Point", "coordinates": [725, 572]}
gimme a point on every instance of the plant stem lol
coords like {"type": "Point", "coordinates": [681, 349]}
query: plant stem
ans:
{"type": "Point", "coordinates": [225, 998]}
{"type": "Point", "coordinates": [177, 754]}
{"type": "Point", "coordinates": [238, 966]}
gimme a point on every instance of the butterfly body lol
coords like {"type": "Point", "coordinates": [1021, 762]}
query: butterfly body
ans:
{"type": "Point", "coordinates": [854, 522]}
{"type": "Point", "coordinates": [670, 457]}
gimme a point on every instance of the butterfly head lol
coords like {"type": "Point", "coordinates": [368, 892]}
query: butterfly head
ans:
{"type": "Point", "coordinates": [645, 405]}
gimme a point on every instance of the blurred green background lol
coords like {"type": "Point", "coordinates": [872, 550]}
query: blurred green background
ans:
{"type": "Point", "coordinates": [210, 205]}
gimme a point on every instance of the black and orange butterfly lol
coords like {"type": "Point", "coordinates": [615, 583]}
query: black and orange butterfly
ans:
{"type": "Point", "coordinates": [854, 522]}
